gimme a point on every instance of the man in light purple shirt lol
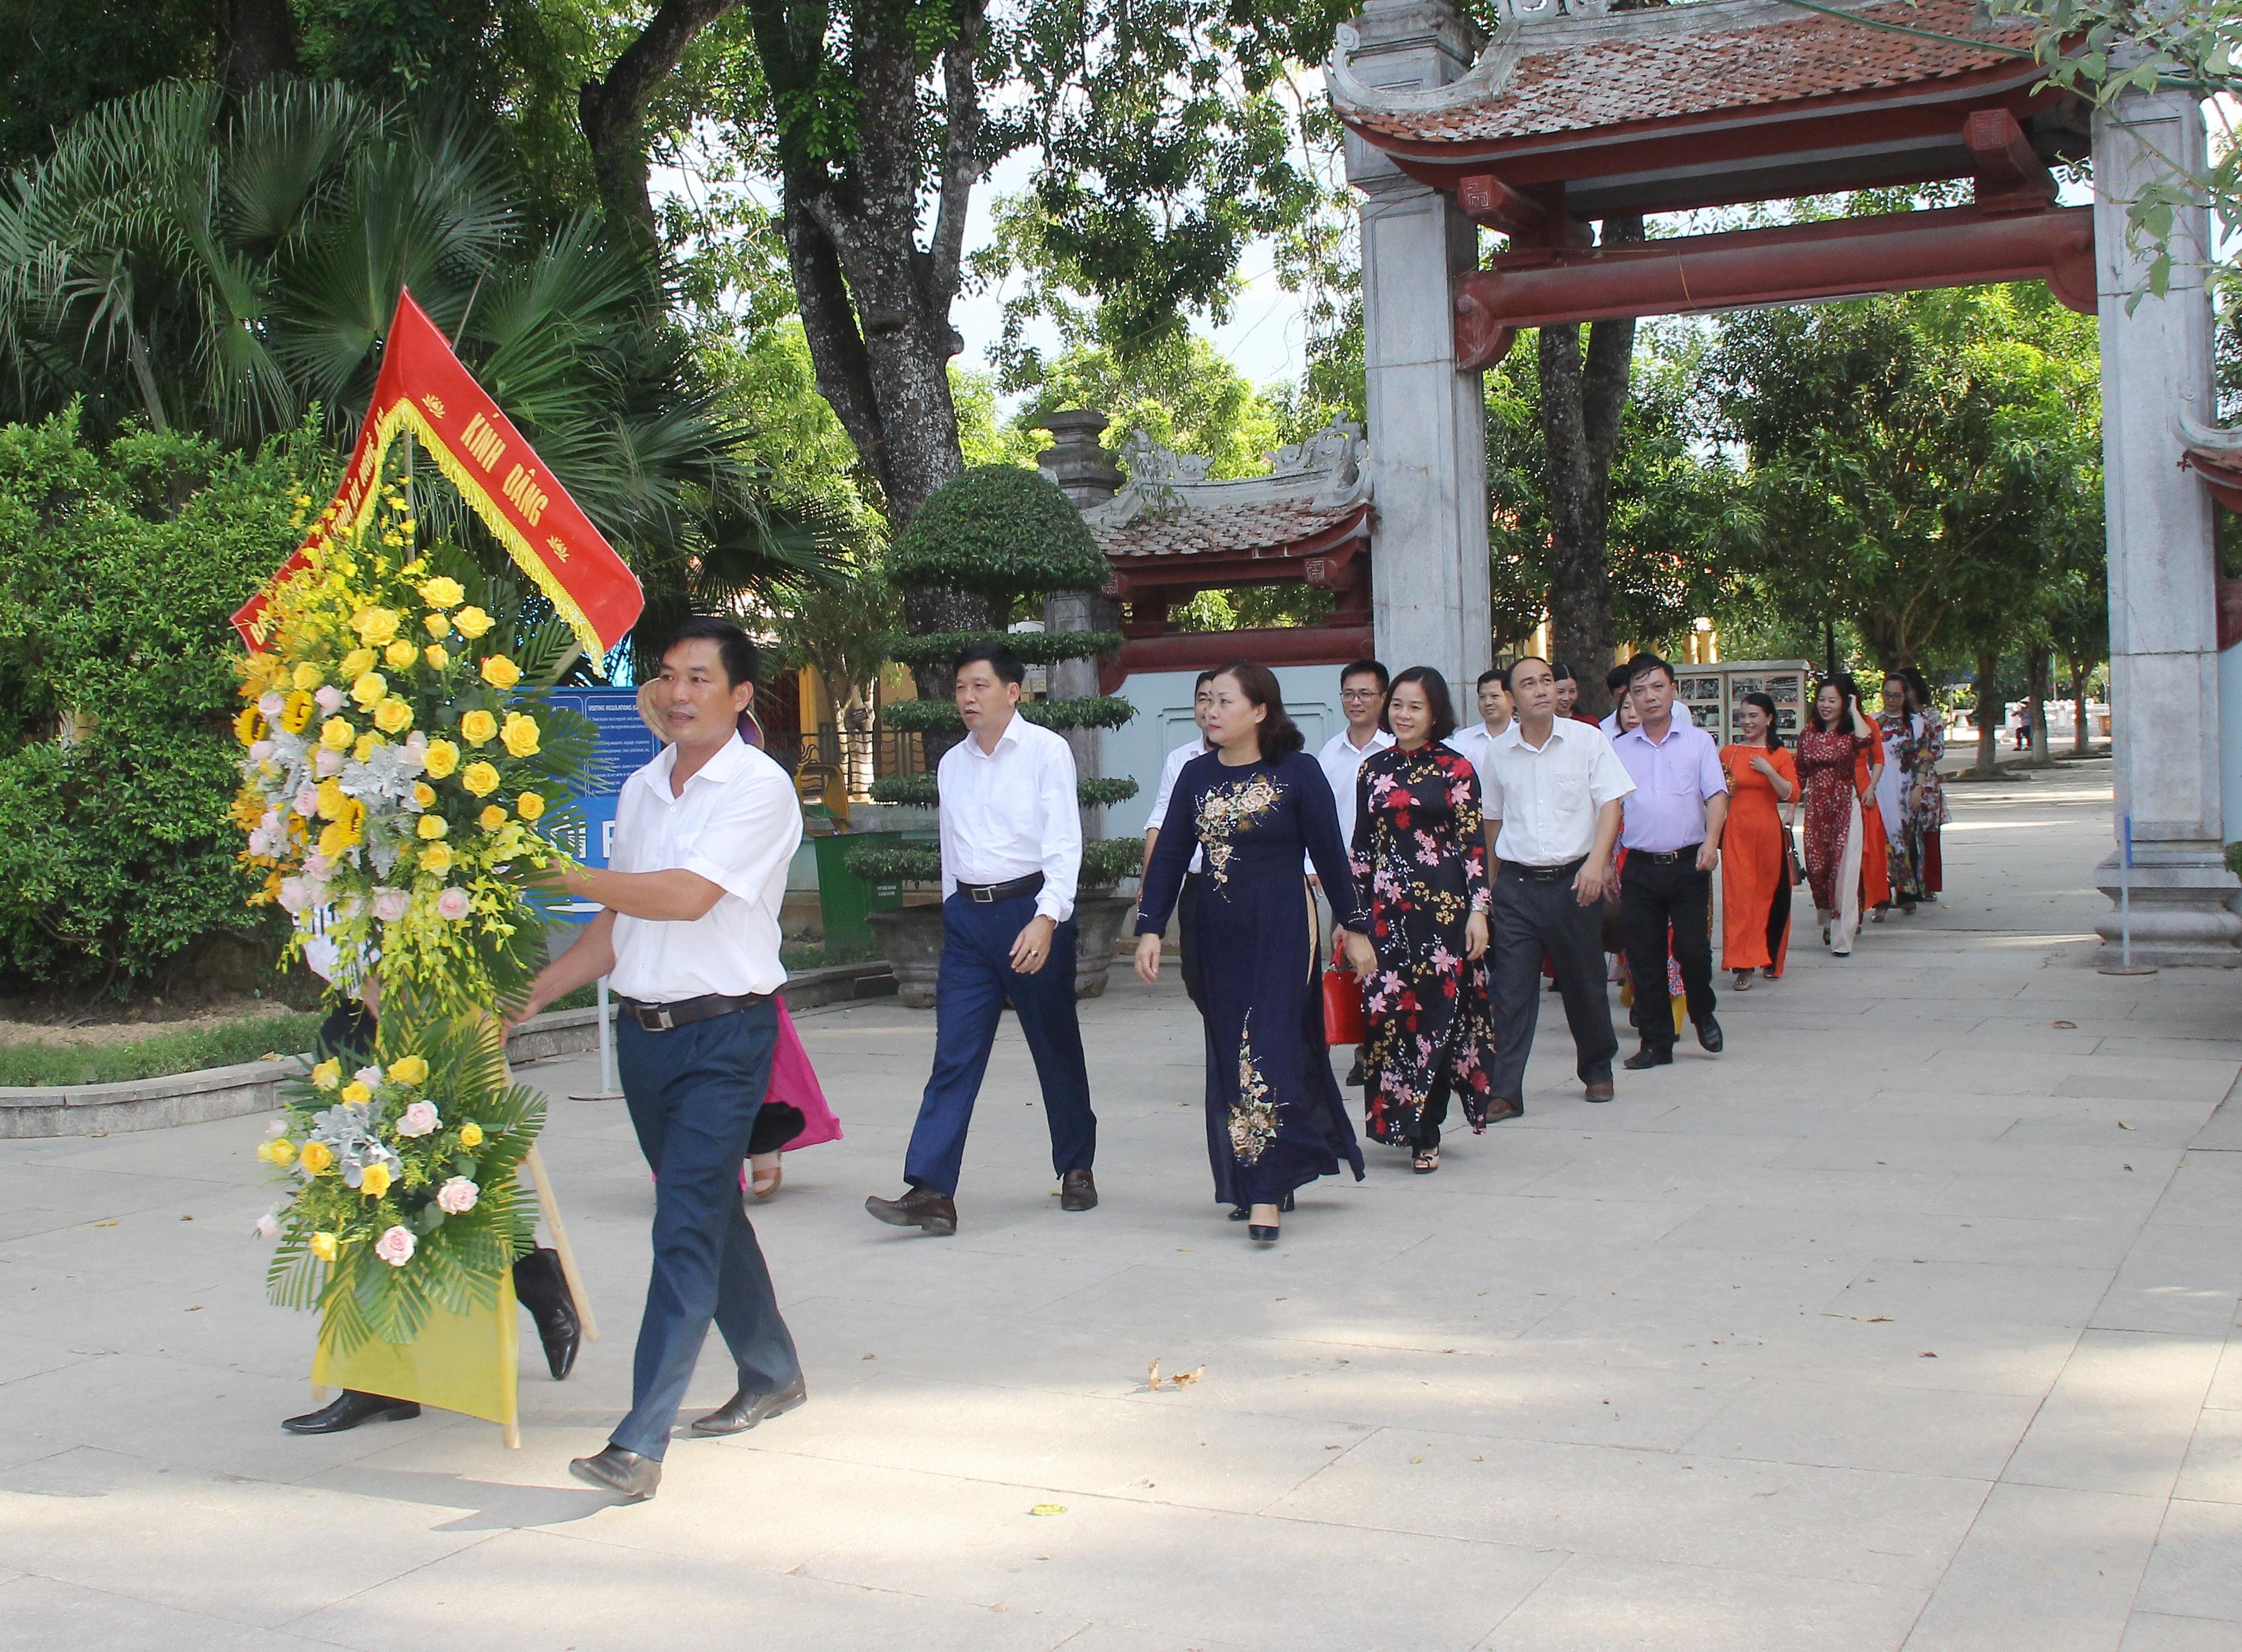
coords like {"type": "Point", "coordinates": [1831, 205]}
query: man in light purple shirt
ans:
{"type": "Point", "coordinates": [1671, 832]}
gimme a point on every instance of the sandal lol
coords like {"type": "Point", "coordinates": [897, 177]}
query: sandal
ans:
{"type": "Point", "coordinates": [1426, 1161]}
{"type": "Point", "coordinates": [1744, 980]}
{"type": "Point", "coordinates": [766, 1182]}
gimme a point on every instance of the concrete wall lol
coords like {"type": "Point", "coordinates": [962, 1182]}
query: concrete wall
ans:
{"type": "Point", "coordinates": [1162, 700]}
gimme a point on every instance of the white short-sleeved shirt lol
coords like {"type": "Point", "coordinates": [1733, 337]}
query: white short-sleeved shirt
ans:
{"type": "Point", "coordinates": [1157, 820]}
{"type": "Point", "coordinates": [1010, 813]}
{"type": "Point", "coordinates": [1547, 797]}
{"type": "Point", "coordinates": [1471, 745]}
{"type": "Point", "coordinates": [737, 824]}
{"type": "Point", "coordinates": [1341, 760]}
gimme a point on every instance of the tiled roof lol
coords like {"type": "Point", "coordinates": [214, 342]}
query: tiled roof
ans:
{"type": "Point", "coordinates": [1703, 59]}
{"type": "Point", "coordinates": [1273, 528]}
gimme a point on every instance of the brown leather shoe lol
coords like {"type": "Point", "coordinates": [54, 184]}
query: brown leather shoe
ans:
{"type": "Point", "coordinates": [1502, 1109]}
{"type": "Point", "coordinates": [1077, 1192]}
{"type": "Point", "coordinates": [919, 1207]}
{"type": "Point", "coordinates": [1600, 1092]}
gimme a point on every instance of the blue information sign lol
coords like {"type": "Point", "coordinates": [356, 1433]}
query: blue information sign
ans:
{"type": "Point", "coordinates": [625, 745]}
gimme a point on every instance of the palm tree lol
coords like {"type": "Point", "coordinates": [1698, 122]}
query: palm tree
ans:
{"type": "Point", "coordinates": [229, 266]}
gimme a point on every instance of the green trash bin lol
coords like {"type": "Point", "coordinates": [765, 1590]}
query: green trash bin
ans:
{"type": "Point", "coordinates": [845, 899]}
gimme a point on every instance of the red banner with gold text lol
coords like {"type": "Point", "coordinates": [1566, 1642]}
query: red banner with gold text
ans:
{"type": "Point", "coordinates": [423, 387]}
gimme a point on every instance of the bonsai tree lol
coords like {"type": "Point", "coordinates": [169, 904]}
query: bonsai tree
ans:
{"type": "Point", "coordinates": [1004, 534]}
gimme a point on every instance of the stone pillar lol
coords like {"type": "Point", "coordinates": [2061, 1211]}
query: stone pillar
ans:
{"type": "Point", "coordinates": [2163, 662]}
{"type": "Point", "coordinates": [1427, 422]}
{"type": "Point", "coordinates": [1076, 462]}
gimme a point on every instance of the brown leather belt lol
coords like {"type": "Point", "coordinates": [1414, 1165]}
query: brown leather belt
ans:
{"type": "Point", "coordinates": [983, 894]}
{"type": "Point", "coordinates": [664, 1018]}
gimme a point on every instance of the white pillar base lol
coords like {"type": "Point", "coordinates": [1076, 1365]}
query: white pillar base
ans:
{"type": "Point", "coordinates": [2181, 916]}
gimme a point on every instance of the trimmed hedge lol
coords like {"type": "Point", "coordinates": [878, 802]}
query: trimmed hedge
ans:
{"type": "Point", "coordinates": [1105, 862]}
{"type": "Point", "coordinates": [938, 717]}
{"type": "Point", "coordinates": [1002, 530]}
{"type": "Point", "coordinates": [1035, 647]}
{"type": "Point", "coordinates": [924, 791]}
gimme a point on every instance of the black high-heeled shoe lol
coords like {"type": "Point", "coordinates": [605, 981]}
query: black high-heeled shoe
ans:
{"type": "Point", "coordinates": [1261, 1235]}
{"type": "Point", "coordinates": [1240, 1212]}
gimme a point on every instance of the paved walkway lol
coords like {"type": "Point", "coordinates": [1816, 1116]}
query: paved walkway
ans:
{"type": "Point", "coordinates": [1901, 1324]}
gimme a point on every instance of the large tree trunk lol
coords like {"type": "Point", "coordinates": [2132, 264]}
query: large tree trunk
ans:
{"type": "Point", "coordinates": [612, 109]}
{"type": "Point", "coordinates": [257, 40]}
{"type": "Point", "coordinates": [2039, 668]}
{"type": "Point", "coordinates": [2078, 734]}
{"type": "Point", "coordinates": [1988, 715]}
{"type": "Point", "coordinates": [1582, 397]}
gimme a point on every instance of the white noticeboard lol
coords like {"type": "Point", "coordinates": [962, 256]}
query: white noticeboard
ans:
{"type": "Point", "coordinates": [1713, 693]}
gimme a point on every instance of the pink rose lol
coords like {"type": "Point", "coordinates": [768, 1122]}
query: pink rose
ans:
{"type": "Point", "coordinates": [453, 904]}
{"type": "Point", "coordinates": [320, 866]}
{"type": "Point", "coordinates": [457, 1195]}
{"type": "Point", "coordinates": [308, 799]}
{"type": "Point", "coordinates": [271, 702]}
{"type": "Point", "coordinates": [330, 699]}
{"type": "Point", "coordinates": [326, 762]}
{"type": "Point", "coordinates": [370, 1077]}
{"type": "Point", "coordinates": [394, 1248]}
{"type": "Point", "coordinates": [419, 1119]}
{"type": "Point", "coordinates": [268, 1226]}
{"type": "Point", "coordinates": [260, 749]}
{"type": "Point", "coordinates": [260, 841]}
{"type": "Point", "coordinates": [390, 905]}
{"type": "Point", "coordinates": [292, 896]}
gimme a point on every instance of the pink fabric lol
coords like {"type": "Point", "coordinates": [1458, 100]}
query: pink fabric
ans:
{"type": "Point", "coordinates": [794, 1081]}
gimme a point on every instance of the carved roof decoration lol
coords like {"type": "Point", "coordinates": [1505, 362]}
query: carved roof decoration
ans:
{"type": "Point", "coordinates": [1558, 66]}
{"type": "Point", "coordinates": [1316, 495]}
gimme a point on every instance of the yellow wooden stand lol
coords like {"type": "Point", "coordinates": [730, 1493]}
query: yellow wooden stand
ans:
{"type": "Point", "coordinates": [464, 1362]}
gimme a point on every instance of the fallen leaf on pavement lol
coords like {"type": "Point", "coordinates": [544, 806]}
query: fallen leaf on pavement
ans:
{"type": "Point", "coordinates": [1048, 1508]}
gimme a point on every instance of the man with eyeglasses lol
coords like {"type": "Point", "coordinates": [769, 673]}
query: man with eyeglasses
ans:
{"type": "Point", "coordinates": [1362, 698]}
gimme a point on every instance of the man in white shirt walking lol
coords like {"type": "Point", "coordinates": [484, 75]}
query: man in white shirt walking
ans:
{"type": "Point", "coordinates": [1552, 789]}
{"type": "Point", "coordinates": [689, 942]}
{"type": "Point", "coordinates": [1011, 851]}
{"type": "Point", "coordinates": [1473, 744]}
{"type": "Point", "coordinates": [1187, 903]}
{"type": "Point", "coordinates": [1362, 699]}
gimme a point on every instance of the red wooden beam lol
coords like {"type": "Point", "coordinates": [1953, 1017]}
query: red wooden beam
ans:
{"type": "Point", "coordinates": [1797, 264]}
{"type": "Point", "coordinates": [1205, 650]}
{"type": "Point", "coordinates": [2012, 178]}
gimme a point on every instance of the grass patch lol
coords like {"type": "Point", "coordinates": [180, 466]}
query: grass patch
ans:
{"type": "Point", "coordinates": [158, 1055]}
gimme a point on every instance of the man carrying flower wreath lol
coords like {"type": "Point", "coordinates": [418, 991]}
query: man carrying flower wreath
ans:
{"type": "Point", "coordinates": [690, 943]}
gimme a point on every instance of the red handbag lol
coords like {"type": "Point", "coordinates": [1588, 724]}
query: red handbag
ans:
{"type": "Point", "coordinates": [1343, 1021]}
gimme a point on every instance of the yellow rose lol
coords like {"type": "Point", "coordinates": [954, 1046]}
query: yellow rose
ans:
{"type": "Point", "coordinates": [500, 672]}
{"type": "Point", "coordinates": [356, 661]}
{"type": "Point", "coordinates": [529, 805]}
{"type": "Point", "coordinates": [433, 827]}
{"type": "Point", "coordinates": [400, 654]}
{"type": "Point", "coordinates": [330, 799]}
{"type": "Point", "coordinates": [369, 688]}
{"type": "Point", "coordinates": [392, 715]}
{"type": "Point", "coordinates": [519, 734]}
{"type": "Point", "coordinates": [471, 1134]}
{"type": "Point", "coordinates": [436, 858]}
{"type": "Point", "coordinates": [374, 1180]}
{"type": "Point", "coordinates": [480, 778]}
{"type": "Point", "coordinates": [279, 1151]}
{"type": "Point", "coordinates": [436, 625]}
{"type": "Point", "coordinates": [435, 656]}
{"type": "Point", "coordinates": [356, 1094]}
{"type": "Point", "coordinates": [472, 622]}
{"type": "Point", "coordinates": [424, 794]}
{"type": "Point", "coordinates": [367, 745]}
{"type": "Point", "coordinates": [244, 726]}
{"type": "Point", "coordinates": [328, 1075]}
{"type": "Point", "coordinates": [336, 734]}
{"type": "Point", "coordinates": [477, 728]}
{"type": "Point", "coordinates": [441, 757]}
{"type": "Point", "coordinates": [316, 1158]}
{"type": "Point", "coordinates": [492, 818]}
{"type": "Point", "coordinates": [442, 593]}
{"type": "Point", "coordinates": [295, 713]}
{"type": "Point", "coordinates": [375, 627]}
{"type": "Point", "coordinates": [409, 1070]}
{"type": "Point", "coordinates": [334, 838]}
{"type": "Point", "coordinates": [323, 1246]}
{"type": "Point", "coordinates": [306, 677]}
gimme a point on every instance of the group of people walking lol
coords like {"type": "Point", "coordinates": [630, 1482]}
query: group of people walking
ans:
{"type": "Point", "coordinates": [1874, 803]}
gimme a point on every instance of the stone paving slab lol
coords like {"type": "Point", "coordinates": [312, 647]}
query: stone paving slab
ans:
{"type": "Point", "coordinates": [1908, 1322]}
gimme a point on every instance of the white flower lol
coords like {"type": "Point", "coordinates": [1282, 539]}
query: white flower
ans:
{"type": "Point", "coordinates": [275, 1128]}
{"type": "Point", "coordinates": [260, 749]}
{"type": "Point", "coordinates": [457, 1195]}
{"type": "Point", "coordinates": [330, 699]}
{"type": "Point", "coordinates": [271, 702]}
{"type": "Point", "coordinates": [395, 1246]}
{"type": "Point", "coordinates": [268, 1225]}
{"type": "Point", "coordinates": [453, 904]}
{"type": "Point", "coordinates": [419, 1119]}
{"type": "Point", "coordinates": [390, 905]}
{"type": "Point", "coordinates": [370, 1077]}
{"type": "Point", "coordinates": [293, 897]}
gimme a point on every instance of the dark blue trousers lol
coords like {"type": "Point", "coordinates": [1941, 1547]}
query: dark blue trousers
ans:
{"type": "Point", "coordinates": [977, 978]}
{"type": "Point", "coordinates": [694, 1093]}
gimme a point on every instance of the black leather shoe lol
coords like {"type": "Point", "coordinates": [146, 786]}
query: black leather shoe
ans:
{"type": "Point", "coordinates": [1647, 1057]}
{"type": "Point", "coordinates": [348, 1409]}
{"type": "Point", "coordinates": [628, 1476]}
{"type": "Point", "coordinates": [1354, 1079]}
{"type": "Point", "coordinates": [920, 1207]}
{"type": "Point", "coordinates": [1261, 1235]}
{"type": "Point", "coordinates": [744, 1410]}
{"type": "Point", "coordinates": [1077, 1192]}
{"type": "Point", "coordinates": [543, 1289]}
{"type": "Point", "coordinates": [1708, 1035]}
{"type": "Point", "coordinates": [1241, 1212]}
